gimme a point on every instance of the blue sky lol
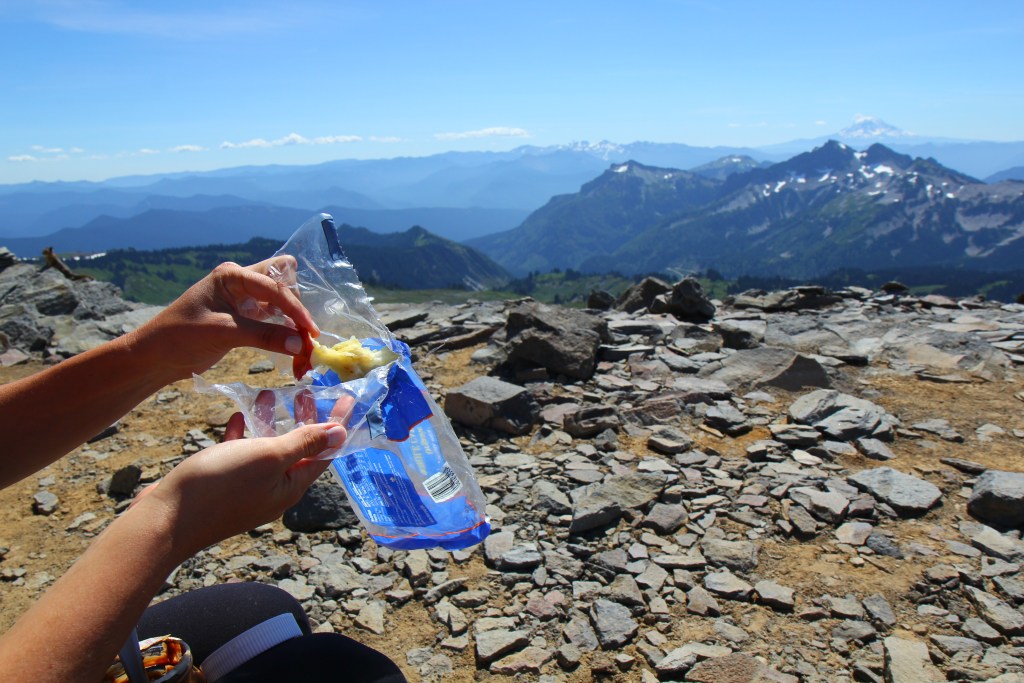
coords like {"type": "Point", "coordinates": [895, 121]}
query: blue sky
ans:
{"type": "Point", "coordinates": [93, 89]}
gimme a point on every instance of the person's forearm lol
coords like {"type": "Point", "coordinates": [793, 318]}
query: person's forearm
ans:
{"type": "Point", "coordinates": [74, 631]}
{"type": "Point", "coordinates": [48, 414]}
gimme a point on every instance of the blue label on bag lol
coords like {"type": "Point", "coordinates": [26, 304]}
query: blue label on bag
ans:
{"type": "Point", "coordinates": [422, 450]}
{"type": "Point", "coordinates": [404, 407]}
{"type": "Point", "coordinates": [377, 482]}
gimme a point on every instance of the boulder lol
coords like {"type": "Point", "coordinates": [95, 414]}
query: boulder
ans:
{"type": "Point", "coordinates": [490, 402]}
{"type": "Point", "coordinates": [998, 498]}
{"type": "Point", "coordinates": [562, 340]}
{"type": "Point", "coordinates": [641, 295]}
{"type": "Point", "coordinates": [686, 301]}
{"type": "Point", "coordinates": [742, 333]}
{"type": "Point", "coordinates": [7, 258]}
{"type": "Point", "coordinates": [24, 328]}
{"type": "Point", "coordinates": [322, 507]}
{"type": "Point", "coordinates": [572, 353]}
{"type": "Point", "coordinates": [600, 300]}
{"type": "Point", "coordinates": [558, 319]}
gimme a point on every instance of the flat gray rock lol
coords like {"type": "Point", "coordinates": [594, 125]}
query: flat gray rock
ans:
{"type": "Point", "coordinates": [727, 585]}
{"type": "Point", "coordinates": [840, 416]}
{"type": "Point", "coordinates": [613, 623]}
{"type": "Point", "coordinates": [737, 555]}
{"type": "Point", "coordinates": [996, 544]}
{"type": "Point", "coordinates": [580, 633]}
{"type": "Point", "coordinates": [908, 661]}
{"type": "Point", "coordinates": [666, 518]}
{"type": "Point", "coordinates": [491, 645]}
{"type": "Point", "coordinates": [737, 668]}
{"type": "Point", "coordinates": [854, 533]}
{"type": "Point", "coordinates": [727, 418]}
{"type": "Point", "coordinates": [940, 428]}
{"type": "Point", "coordinates": [549, 498]}
{"type": "Point", "coordinates": [768, 367]}
{"type": "Point", "coordinates": [851, 629]}
{"type": "Point", "coordinates": [906, 494]}
{"type": "Point", "coordinates": [701, 602]}
{"type": "Point", "coordinates": [951, 645]}
{"type": "Point", "coordinates": [828, 506]}
{"type": "Point", "coordinates": [874, 449]}
{"type": "Point", "coordinates": [776, 596]}
{"type": "Point", "coordinates": [676, 663]}
{"type": "Point", "coordinates": [602, 503]}
{"type": "Point", "coordinates": [879, 609]}
{"type": "Point", "coordinates": [997, 613]}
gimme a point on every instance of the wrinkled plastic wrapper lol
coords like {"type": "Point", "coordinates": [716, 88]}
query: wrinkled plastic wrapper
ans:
{"type": "Point", "coordinates": [402, 466]}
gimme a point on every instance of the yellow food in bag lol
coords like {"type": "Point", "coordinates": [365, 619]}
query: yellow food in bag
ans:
{"type": "Point", "coordinates": [350, 359]}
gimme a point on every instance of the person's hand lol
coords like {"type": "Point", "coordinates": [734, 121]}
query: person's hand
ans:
{"type": "Point", "coordinates": [240, 483]}
{"type": "Point", "coordinates": [224, 310]}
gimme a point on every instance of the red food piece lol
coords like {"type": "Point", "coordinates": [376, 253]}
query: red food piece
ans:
{"type": "Point", "coordinates": [305, 407]}
{"type": "Point", "coordinates": [300, 361]}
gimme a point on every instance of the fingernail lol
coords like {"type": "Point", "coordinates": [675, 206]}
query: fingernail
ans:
{"type": "Point", "coordinates": [293, 344]}
{"type": "Point", "coordinates": [336, 436]}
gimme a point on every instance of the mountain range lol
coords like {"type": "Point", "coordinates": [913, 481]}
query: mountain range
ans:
{"type": "Point", "coordinates": [457, 195]}
{"type": "Point", "coordinates": [829, 208]}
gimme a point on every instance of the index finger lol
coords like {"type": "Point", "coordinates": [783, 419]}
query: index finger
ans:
{"type": "Point", "coordinates": [281, 268]}
{"type": "Point", "coordinates": [244, 283]}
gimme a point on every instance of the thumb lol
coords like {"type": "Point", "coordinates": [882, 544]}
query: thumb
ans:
{"type": "Point", "coordinates": [268, 336]}
{"type": "Point", "coordinates": [311, 441]}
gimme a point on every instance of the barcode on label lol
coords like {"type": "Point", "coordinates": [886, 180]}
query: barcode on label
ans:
{"type": "Point", "coordinates": [443, 485]}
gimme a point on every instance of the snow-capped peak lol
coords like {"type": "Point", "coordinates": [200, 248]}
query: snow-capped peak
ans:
{"type": "Point", "coordinates": [603, 149]}
{"type": "Point", "coordinates": [871, 128]}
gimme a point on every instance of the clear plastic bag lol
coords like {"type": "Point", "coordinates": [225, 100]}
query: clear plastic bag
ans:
{"type": "Point", "coordinates": [402, 467]}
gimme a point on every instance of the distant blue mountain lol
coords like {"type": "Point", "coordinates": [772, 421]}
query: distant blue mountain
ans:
{"type": "Point", "coordinates": [162, 228]}
{"type": "Point", "coordinates": [457, 195]}
{"type": "Point", "coordinates": [1015, 173]}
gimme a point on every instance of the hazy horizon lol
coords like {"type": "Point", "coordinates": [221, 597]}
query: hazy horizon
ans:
{"type": "Point", "coordinates": [108, 88]}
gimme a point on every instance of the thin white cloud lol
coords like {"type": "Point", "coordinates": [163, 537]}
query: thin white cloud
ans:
{"type": "Point", "coordinates": [145, 151]}
{"type": "Point", "coordinates": [22, 157]}
{"type": "Point", "coordinates": [290, 139]}
{"type": "Point", "coordinates": [76, 150]}
{"type": "Point", "coordinates": [494, 132]}
{"type": "Point", "coordinates": [188, 148]}
{"type": "Point", "coordinates": [820, 122]}
{"type": "Point", "coordinates": [335, 139]}
{"type": "Point", "coordinates": [47, 150]}
{"type": "Point", "coordinates": [217, 21]}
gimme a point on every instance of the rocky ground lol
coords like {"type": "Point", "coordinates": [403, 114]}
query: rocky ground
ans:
{"type": "Point", "coordinates": [788, 486]}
